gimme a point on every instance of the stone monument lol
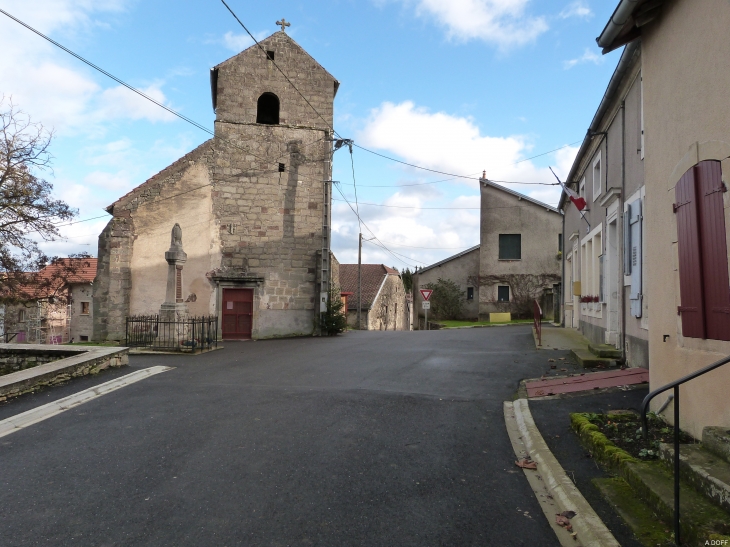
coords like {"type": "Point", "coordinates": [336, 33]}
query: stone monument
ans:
{"type": "Point", "coordinates": [174, 308]}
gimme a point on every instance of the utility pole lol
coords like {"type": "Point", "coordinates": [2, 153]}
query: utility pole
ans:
{"type": "Point", "coordinates": [359, 281]}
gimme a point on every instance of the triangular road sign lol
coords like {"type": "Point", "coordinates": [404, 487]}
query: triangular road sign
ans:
{"type": "Point", "coordinates": [426, 293]}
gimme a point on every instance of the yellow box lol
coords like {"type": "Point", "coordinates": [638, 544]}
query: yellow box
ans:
{"type": "Point", "coordinates": [576, 288]}
{"type": "Point", "coordinates": [500, 317]}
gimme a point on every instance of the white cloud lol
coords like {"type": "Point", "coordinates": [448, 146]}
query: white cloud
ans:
{"type": "Point", "coordinates": [120, 102]}
{"type": "Point", "coordinates": [587, 57]}
{"type": "Point", "coordinates": [236, 42]}
{"type": "Point", "coordinates": [54, 88]}
{"type": "Point", "coordinates": [440, 141]}
{"type": "Point", "coordinates": [500, 22]}
{"type": "Point", "coordinates": [577, 9]}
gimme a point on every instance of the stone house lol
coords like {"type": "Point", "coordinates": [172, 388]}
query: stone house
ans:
{"type": "Point", "coordinates": [516, 261]}
{"type": "Point", "coordinates": [685, 59]}
{"type": "Point", "coordinates": [57, 313]}
{"type": "Point", "coordinates": [605, 294]}
{"type": "Point", "coordinates": [462, 269]}
{"type": "Point", "coordinates": [384, 305]}
{"type": "Point", "coordinates": [253, 205]}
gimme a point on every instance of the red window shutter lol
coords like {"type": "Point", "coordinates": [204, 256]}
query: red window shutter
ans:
{"type": "Point", "coordinates": [690, 273]}
{"type": "Point", "coordinates": [714, 249]}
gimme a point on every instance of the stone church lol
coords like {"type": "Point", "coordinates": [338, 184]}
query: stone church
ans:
{"type": "Point", "coordinates": [253, 205]}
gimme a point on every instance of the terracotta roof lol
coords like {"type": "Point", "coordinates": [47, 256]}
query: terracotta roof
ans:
{"type": "Point", "coordinates": [50, 279]}
{"type": "Point", "coordinates": [85, 270]}
{"type": "Point", "coordinates": [373, 276]}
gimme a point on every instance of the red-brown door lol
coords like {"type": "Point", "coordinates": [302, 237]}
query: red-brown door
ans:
{"type": "Point", "coordinates": [237, 314]}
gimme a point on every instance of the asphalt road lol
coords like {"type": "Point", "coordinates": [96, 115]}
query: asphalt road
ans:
{"type": "Point", "coordinates": [371, 438]}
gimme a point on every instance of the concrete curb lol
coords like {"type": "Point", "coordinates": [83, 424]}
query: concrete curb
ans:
{"type": "Point", "coordinates": [43, 412]}
{"type": "Point", "coordinates": [75, 362]}
{"type": "Point", "coordinates": [554, 490]}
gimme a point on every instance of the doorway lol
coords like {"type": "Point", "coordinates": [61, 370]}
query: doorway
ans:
{"type": "Point", "coordinates": [612, 283]}
{"type": "Point", "coordinates": [237, 314]}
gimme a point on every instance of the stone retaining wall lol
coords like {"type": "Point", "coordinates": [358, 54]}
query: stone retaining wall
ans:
{"type": "Point", "coordinates": [14, 359]}
{"type": "Point", "coordinates": [64, 364]}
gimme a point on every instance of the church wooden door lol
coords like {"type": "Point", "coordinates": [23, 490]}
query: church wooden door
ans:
{"type": "Point", "coordinates": [237, 314]}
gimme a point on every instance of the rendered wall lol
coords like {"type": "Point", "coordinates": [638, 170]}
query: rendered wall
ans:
{"type": "Point", "coordinates": [687, 119]}
{"type": "Point", "coordinates": [462, 270]}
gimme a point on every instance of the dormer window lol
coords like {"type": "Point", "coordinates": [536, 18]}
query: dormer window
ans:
{"type": "Point", "coordinates": [267, 111]}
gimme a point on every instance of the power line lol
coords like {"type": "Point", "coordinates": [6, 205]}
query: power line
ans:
{"type": "Point", "coordinates": [453, 174]}
{"type": "Point", "coordinates": [445, 208]}
{"type": "Point", "coordinates": [141, 93]}
{"type": "Point", "coordinates": [394, 253]}
{"type": "Point", "coordinates": [368, 228]}
{"type": "Point", "coordinates": [428, 248]}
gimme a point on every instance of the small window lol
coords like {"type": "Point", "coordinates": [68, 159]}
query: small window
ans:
{"type": "Point", "coordinates": [597, 183]}
{"type": "Point", "coordinates": [270, 55]}
{"type": "Point", "coordinates": [84, 308]}
{"type": "Point", "coordinates": [510, 246]}
{"type": "Point", "coordinates": [470, 293]}
{"type": "Point", "coordinates": [21, 315]}
{"type": "Point", "coordinates": [267, 110]}
{"type": "Point", "coordinates": [560, 243]}
{"type": "Point", "coordinates": [83, 338]}
{"type": "Point", "coordinates": [582, 188]}
{"type": "Point", "coordinates": [503, 293]}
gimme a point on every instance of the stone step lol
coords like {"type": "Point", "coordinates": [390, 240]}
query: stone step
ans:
{"type": "Point", "coordinates": [700, 519]}
{"type": "Point", "coordinates": [717, 440]}
{"type": "Point", "coordinates": [708, 473]}
{"type": "Point", "coordinates": [605, 350]}
{"type": "Point", "coordinates": [586, 359]}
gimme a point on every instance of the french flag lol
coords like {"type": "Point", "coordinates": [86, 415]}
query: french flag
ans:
{"type": "Point", "coordinates": [578, 201]}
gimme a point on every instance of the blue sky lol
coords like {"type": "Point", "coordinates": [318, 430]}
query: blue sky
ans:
{"type": "Point", "coordinates": [459, 86]}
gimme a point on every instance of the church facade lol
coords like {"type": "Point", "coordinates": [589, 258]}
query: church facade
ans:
{"type": "Point", "coordinates": [252, 203]}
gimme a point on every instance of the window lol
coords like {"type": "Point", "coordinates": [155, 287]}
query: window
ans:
{"type": "Point", "coordinates": [591, 252]}
{"type": "Point", "coordinates": [633, 221]}
{"type": "Point", "coordinates": [21, 315]}
{"type": "Point", "coordinates": [84, 308]}
{"type": "Point", "coordinates": [582, 188]}
{"type": "Point", "coordinates": [470, 293]}
{"type": "Point", "coordinates": [83, 338]}
{"type": "Point", "coordinates": [502, 293]}
{"type": "Point", "coordinates": [597, 183]}
{"type": "Point", "coordinates": [560, 243]}
{"type": "Point", "coordinates": [702, 251]}
{"type": "Point", "coordinates": [510, 246]}
{"type": "Point", "coordinates": [267, 111]}
{"type": "Point", "coordinates": [270, 55]}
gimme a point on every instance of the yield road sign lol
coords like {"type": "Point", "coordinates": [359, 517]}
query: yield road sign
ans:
{"type": "Point", "coordinates": [426, 293]}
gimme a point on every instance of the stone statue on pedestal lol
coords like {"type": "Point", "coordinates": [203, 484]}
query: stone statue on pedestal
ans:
{"type": "Point", "coordinates": [174, 307]}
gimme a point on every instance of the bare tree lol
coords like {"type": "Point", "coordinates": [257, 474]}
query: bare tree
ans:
{"type": "Point", "coordinates": [524, 288]}
{"type": "Point", "coordinates": [28, 211]}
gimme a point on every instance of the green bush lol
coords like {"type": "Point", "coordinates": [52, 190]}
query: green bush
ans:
{"type": "Point", "coordinates": [334, 320]}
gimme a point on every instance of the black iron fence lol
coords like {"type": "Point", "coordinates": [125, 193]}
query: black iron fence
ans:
{"type": "Point", "coordinates": [190, 334]}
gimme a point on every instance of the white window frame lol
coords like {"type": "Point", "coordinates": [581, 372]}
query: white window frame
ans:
{"type": "Point", "coordinates": [597, 161]}
{"type": "Point", "coordinates": [590, 251]}
{"type": "Point", "coordinates": [582, 188]}
{"type": "Point", "coordinates": [639, 194]}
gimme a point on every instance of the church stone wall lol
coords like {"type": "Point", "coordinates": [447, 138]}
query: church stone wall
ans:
{"type": "Point", "coordinates": [188, 203]}
{"type": "Point", "coordinates": [254, 226]}
{"type": "Point", "coordinates": [243, 78]}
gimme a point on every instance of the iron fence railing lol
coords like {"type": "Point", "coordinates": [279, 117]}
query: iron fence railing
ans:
{"type": "Point", "coordinates": [537, 321]}
{"type": "Point", "coordinates": [675, 396]}
{"type": "Point", "coordinates": [189, 334]}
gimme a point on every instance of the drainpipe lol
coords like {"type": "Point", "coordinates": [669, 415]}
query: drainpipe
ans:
{"type": "Point", "coordinates": [561, 302]}
{"type": "Point", "coordinates": [623, 236]}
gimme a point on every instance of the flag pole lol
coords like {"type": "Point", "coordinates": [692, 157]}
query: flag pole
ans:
{"type": "Point", "coordinates": [566, 191]}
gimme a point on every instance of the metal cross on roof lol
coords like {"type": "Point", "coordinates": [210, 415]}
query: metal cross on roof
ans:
{"type": "Point", "coordinates": [283, 23]}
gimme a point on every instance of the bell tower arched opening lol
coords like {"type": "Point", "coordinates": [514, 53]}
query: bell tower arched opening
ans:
{"type": "Point", "coordinates": [267, 111]}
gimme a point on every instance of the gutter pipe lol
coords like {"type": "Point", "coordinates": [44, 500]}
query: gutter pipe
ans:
{"type": "Point", "coordinates": [617, 21]}
{"type": "Point", "coordinates": [618, 74]}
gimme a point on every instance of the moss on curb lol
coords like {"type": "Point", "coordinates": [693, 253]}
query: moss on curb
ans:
{"type": "Point", "coordinates": [599, 446]}
{"type": "Point", "coordinates": [652, 482]}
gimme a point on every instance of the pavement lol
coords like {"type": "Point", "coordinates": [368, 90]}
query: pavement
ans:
{"type": "Point", "coordinates": [561, 339]}
{"type": "Point", "coordinates": [370, 438]}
